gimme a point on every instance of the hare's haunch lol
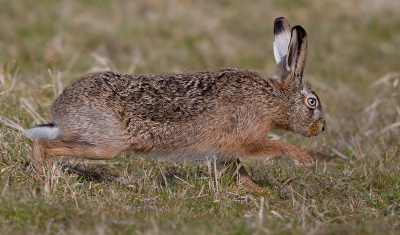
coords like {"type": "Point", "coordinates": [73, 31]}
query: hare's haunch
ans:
{"type": "Point", "coordinates": [226, 113]}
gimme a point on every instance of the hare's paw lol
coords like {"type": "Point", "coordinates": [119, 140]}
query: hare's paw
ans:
{"type": "Point", "coordinates": [303, 160]}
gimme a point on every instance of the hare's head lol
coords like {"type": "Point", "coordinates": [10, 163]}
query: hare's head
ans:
{"type": "Point", "coordinates": [303, 105]}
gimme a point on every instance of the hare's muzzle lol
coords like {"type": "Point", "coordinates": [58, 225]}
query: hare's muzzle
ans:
{"type": "Point", "coordinates": [316, 128]}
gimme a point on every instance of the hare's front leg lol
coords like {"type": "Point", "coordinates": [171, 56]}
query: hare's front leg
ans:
{"type": "Point", "coordinates": [271, 148]}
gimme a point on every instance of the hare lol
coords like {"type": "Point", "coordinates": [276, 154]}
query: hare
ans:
{"type": "Point", "coordinates": [226, 113]}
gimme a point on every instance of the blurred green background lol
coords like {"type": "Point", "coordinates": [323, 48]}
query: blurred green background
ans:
{"type": "Point", "coordinates": [351, 44]}
{"type": "Point", "coordinates": [353, 64]}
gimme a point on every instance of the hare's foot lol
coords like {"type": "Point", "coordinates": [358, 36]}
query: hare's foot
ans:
{"type": "Point", "coordinates": [244, 177]}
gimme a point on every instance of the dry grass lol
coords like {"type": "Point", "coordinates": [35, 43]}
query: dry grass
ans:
{"type": "Point", "coordinates": [352, 64]}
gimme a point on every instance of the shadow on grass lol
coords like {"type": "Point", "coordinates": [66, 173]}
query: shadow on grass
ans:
{"type": "Point", "coordinates": [91, 172]}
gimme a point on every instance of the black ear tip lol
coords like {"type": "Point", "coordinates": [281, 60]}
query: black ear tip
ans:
{"type": "Point", "coordinates": [279, 25]}
{"type": "Point", "coordinates": [300, 30]}
{"type": "Point", "coordinates": [279, 19]}
{"type": "Point", "coordinates": [298, 27]}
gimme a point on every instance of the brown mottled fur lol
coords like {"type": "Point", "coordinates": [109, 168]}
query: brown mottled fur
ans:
{"type": "Point", "coordinates": [226, 113]}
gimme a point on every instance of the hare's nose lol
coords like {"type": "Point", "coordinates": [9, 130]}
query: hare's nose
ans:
{"type": "Point", "coordinates": [323, 128]}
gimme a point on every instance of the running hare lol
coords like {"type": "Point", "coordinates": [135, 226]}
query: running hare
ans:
{"type": "Point", "coordinates": [227, 113]}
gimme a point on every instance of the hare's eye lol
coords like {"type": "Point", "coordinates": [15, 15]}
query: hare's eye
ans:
{"type": "Point", "coordinates": [311, 101]}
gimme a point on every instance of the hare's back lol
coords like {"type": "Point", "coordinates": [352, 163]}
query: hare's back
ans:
{"type": "Point", "coordinates": [156, 97]}
{"type": "Point", "coordinates": [161, 97]}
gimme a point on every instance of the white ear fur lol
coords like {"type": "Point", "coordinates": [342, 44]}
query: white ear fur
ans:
{"type": "Point", "coordinates": [281, 44]}
{"type": "Point", "coordinates": [282, 32]}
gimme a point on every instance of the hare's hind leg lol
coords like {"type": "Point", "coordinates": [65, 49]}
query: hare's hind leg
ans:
{"type": "Point", "coordinates": [40, 154]}
{"type": "Point", "coordinates": [44, 149]}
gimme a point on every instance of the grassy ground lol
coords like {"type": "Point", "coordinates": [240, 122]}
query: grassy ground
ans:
{"type": "Point", "coordinates": [353, 65]}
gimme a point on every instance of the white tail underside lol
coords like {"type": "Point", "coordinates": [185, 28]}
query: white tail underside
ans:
{"type": "Point", "coordinates": [43, 132]}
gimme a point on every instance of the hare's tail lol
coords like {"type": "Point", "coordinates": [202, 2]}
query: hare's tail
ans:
{"type": "Point", "coordinates": [44, 131]}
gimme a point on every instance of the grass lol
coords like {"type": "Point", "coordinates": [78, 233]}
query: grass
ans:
{"type": "Point", "coordinates": [352, 65]}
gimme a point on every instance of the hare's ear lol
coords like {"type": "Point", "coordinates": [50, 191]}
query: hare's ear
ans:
{"type": "Point", "coordinates": [282, 32]}
{"type": "Point", "coordinates": [296, 58]}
